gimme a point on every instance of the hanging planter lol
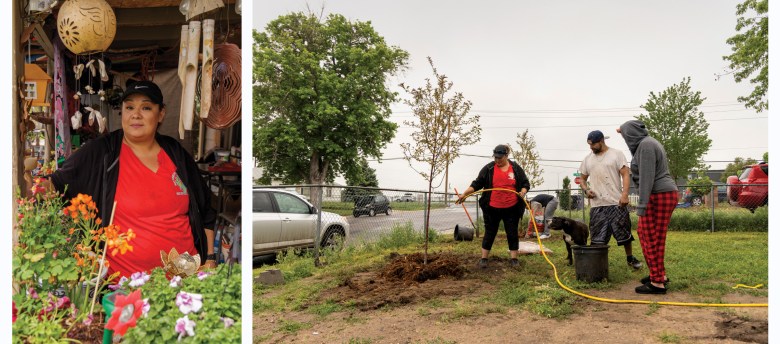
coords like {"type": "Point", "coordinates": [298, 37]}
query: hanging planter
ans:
{"type": "Point", "coordinates": [86, 26]}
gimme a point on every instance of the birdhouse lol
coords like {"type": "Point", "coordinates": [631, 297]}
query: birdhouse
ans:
{"type": "Point", "coordinates": [36, 82]}
{"type": "Point", "coordinates": [86, 26]}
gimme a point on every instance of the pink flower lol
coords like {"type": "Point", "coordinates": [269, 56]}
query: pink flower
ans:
{"type": "Point", "coordinates": [185, 326]}
{"type": "Point", "coordinates": [202, 275]}
{"type": "Point", "coordinates": [228, 322]}
{"type": "Point", "coordinates": [175, 282]}
{"type": "Point", "coordinates": [14, 311]}
{"type": "Point", "coordinates": [32, 293]}
{"type": "Point", "coordinates": [189, 302]}
{"type": "Point", "coordinates": [88, 321]}
{"type": "Point", "coordinates": [54, 304]}
{"type": "Point", "coordinates": [138, 279]}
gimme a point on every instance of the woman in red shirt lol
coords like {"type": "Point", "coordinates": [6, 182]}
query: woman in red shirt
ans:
{"type": "Point", "coordinates": [500, 205]}
{"type": "Point", "coordinates": [155, 182]}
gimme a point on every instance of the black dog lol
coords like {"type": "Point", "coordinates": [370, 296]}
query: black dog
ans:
{"type": "Point", "coordinates": [574, 232]}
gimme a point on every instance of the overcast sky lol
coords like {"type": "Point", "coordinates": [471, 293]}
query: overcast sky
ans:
{"type": "Point", "coordinates": [558, 69]}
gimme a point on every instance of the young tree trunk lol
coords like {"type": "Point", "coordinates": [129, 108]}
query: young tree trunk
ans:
{"type": "Point", "coordinates": [318, 170]}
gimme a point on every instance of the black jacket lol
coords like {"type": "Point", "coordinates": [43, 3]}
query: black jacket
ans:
{"type": "Point", "coordinates": [485, 181]}
{"type": "Point", "coordinates": [94, 170]}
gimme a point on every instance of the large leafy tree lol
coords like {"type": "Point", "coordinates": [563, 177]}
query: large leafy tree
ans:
{"type": "Point", "coordinates": [749, 57]}
{"type": "Point", "coordinates": [321, 100]}
{"type": "Point", "coordinates": [442, 126]}
{"type": "Point", "coordinates": [674, 119]}
{"type": "Point", "coordinates": [527, 156]}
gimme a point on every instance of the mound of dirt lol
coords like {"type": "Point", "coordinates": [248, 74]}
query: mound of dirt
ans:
{"type": "Point", "coordinates": [406, 280]}
{"type": "Point", "coordinates": [743, 330]}
{"type": "Point", "coordinates": [411, 268]}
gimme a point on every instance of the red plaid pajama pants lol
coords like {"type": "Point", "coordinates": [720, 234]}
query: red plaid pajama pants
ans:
{"type": "Point", "coordinates": [652, 232]}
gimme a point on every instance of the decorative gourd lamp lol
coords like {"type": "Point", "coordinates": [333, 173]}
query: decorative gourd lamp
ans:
{"type": "Point", "coordinates": [86, 26]}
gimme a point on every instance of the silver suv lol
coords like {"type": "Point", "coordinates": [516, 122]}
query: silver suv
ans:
{"type": "Point", "coordinates": [282, 219]}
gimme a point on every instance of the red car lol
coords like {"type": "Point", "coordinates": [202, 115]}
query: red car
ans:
{"type": "Point", "coordinates": [751, 189]}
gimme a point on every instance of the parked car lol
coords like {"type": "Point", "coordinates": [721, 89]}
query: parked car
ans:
{"type": "Point", "coordinates": [407, 197]}
{"type": "Point", "coordinates": [371, 205]}
{"type": "Point", "coordinates": [751, 189]}
{"type": "Point", "coordinates": [282, 219]}
{"type": "Point", "coordinates": [696, 200]}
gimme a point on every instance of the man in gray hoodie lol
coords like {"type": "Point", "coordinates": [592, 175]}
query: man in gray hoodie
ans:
{"type": "Point", "coordinates": [657, 200]}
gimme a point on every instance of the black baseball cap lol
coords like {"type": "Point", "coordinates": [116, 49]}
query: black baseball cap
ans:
{"type": "Point", "coordinates": [147, 88]}
{"type": "Point", "coordinates": [500, 151]}
{"type": "Point", "coordinates": [596, 136]}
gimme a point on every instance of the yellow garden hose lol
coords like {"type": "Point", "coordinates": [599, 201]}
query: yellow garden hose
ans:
{"type": "Point", "coordinates": [668, 303]}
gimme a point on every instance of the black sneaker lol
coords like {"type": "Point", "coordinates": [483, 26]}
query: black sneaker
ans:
{"type": "Point", "coordinates": [647, 280]}
{"type": "Point", "coordinates": [514, 262]}
{"type": "Point", "coordinates": [648, 288]}
{"type": "Point", "coordinates": [482, 263]}
{"type": "Point", "coordinates": [634, 263]}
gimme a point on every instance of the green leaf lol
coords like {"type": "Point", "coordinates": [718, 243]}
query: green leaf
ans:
{"type": "Point", "coordinates": [48, 245]}
{"type": "Point", "coordinates": [26, 274]}
{"type": "Point", "coordinates": [34, 257]}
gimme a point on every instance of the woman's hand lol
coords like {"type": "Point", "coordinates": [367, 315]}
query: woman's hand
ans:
{"type": "Point", "coordinates": [210, 264]}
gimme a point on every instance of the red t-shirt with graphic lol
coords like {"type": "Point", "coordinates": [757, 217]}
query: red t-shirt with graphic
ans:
{"type": "Point", "coordinates": [155, 206]}
{"type": "Point", "coordinates": [503, 180]}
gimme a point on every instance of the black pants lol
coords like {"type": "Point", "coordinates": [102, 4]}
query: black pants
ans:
{"type": "Point", "coordinates": [511, 217]}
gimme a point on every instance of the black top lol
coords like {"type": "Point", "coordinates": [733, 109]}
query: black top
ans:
{"type": "Point", "coordinates": [94, 170]}
{"type": "Point", "coordinates": [543, 199]}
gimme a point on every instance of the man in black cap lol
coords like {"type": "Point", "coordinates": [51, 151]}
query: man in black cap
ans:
{"type": "Point", "coordinates": [499, 205]}
{"type": "Point", "coordinates": [605, 182]}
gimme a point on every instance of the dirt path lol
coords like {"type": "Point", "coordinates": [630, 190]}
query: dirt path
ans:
{"type": "Point", "coordinates": [396, 312]}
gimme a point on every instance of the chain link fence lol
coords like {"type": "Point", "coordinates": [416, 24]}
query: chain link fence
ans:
{"type": "Point", "coordinates": [371, 213]}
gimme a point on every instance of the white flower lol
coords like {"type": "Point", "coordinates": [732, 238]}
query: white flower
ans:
{"type": "Point", "coordinates": [175, 282]}
{"type": "Point", "coordinates": [138, 279]}
{"type": "Point", "coordinates": [228, 322]}
{"type": "Point", "coordinates": [185, 326]}
{"type": "Point", "coordinates": [189, 302]}
{"type": "Point", "coordinates": [202, 275]}
{"type": "Point", "coordinates": [146, 307]}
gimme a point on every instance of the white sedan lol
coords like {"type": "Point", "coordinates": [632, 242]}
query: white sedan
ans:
{"type": "Point", "coordinates": [282, 219]}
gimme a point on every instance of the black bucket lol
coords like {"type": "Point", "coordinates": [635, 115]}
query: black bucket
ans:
{"type": "Point", "coordinates": [464, 233]}
{"type": "Point", "coordinates": [591, 263]}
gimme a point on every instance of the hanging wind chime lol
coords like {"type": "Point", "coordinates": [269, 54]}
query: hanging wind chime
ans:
{"type": "Point", "coordinates": [87, 28]}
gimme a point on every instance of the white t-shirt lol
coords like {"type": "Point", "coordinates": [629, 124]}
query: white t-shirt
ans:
{"type": "Point", "coordinates": [603, 173]}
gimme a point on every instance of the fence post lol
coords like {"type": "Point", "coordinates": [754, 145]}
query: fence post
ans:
{"type": "Point", "coordinates": [318, 231]}
{"type": "Point", "coordinates": [582, 197]}
{"type": "Point", "coordinates": [713, 199]}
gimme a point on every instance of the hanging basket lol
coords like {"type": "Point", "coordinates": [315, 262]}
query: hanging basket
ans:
{"type": "Point", "coordinates": [86, 26]}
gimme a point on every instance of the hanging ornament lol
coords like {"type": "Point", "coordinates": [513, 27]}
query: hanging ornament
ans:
{"type": "Point", "coordinates": [86, 26]}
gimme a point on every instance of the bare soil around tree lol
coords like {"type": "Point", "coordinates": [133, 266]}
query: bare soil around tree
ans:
{"type": "Point", "coordinates": [406, 301]}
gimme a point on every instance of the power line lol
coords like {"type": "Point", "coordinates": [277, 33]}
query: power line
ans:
{"type": "Point", "coordinates": [598, 125]}
{"type": "Point", "coordinates": [610, 109]}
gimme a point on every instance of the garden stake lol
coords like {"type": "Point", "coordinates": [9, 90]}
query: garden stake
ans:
{"type": "Point", "coordinates": [476, 230]}
{"type": "Point", "coordinates": [100, 267]}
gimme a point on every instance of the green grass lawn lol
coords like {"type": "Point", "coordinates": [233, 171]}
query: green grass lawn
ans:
{"type": "Point", "coordinates": [704, 265]}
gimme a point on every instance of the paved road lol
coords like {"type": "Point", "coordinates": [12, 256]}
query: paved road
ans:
{"type": "Point", "coordinates": [441, 220]}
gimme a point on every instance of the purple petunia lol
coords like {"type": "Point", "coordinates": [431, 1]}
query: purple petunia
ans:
{"type": "Point", "coordinates": [189, 302]}
{"type": "Point", "coordinates": [202, 275]}
{"type": "Point", "coordinates": [118, 285]}
{"type": "Point", "coordinates": [138, 279]}
{"type": "Point", "coordinates": [175, 282]}
{"type": "Point", "coordinates": [185, 326]}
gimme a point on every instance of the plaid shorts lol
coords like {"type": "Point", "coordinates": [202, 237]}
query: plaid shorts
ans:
{"type": "Point", "coordinates": [608, 221]}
